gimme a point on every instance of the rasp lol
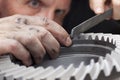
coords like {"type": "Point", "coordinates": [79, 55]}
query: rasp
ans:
{"type": "Point", "coordinates": [91, 22]}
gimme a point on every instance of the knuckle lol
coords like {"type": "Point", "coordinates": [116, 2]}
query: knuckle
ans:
{"type": "Point", "coordinates": [44, 32]}
{"type": "Point", "coordinates": [35, 29]}
{"type": "Point", "coordinates": [21, 20]}
{"type": "Point", "coordinates": [45, 20]}
{"type": "Point", "coordinates": [29, 39]}
{"type": "Point", "coordinates": [17, 16]}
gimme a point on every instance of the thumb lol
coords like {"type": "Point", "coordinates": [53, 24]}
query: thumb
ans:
{"type": "Point", "coordinates": [97, 6]}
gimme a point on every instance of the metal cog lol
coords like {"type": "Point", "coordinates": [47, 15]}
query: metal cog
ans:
{"type": "Point", "coordinates": [93, 56]}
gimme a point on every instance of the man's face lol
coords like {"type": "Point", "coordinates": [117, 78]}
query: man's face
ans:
{"type": "Point", "coordinates": [53, 9]}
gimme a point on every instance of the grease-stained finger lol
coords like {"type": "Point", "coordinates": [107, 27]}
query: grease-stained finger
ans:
{"type": "Point", "coordinates": [15, 48]}
{"type": "Point", "coordinates": [32, 44]}
{"type": "Point", "coordinates": [50, 44]}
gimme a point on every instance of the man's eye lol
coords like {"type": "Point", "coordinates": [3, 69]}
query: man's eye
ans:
{"type": "Point", "coordinates": [34, 3]}
{"type": "Point", "coordinates": [59, 12]}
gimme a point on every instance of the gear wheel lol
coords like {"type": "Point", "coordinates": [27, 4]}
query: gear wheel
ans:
{"type": "Point", "coordinates": [93, 56]}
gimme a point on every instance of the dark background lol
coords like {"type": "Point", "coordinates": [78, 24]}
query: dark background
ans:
{"type": "Point", "coordinates": [80, 11]}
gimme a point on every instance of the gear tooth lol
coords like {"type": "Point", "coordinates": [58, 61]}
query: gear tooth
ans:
{"type": "Point", "coordinates": [92, 61]}
{"type": "Point", "coordinates": [112, 41]}
{"type": "Point", "coordinates": [113, 74]}
{"type": "Point", "coordinates": [102, 38]}
{"type": "Point", "coordinates": [107, 55]}
{"type": "Point", "coordinates": [115, 43]}
{"type": "Point", "coordinates": [108, 40]}
{"type": "Point", "coordinates": [96, 37]}
{"type": "Point", "coordinates": [100, 59]}
{"type": "Point", "coordinates": [90, 37]}
{"type": "Point", "coordinates": [83, 36]}
{"type": "Point", "coordinates": [106, 67]}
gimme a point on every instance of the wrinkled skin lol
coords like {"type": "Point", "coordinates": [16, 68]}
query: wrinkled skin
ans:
{"type": "Point", "coordinates": [24, 36]}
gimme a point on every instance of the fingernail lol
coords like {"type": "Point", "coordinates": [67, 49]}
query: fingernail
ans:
{"type": "Point", "coordinates": [68, 41]}
{"type": "Point", "coordinates": [99, 10]}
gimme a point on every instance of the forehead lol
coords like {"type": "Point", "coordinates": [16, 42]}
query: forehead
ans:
{"type": "Point", "coordinates": [59, 3]}
{"type": "Point", "coordinates": [63, 3]}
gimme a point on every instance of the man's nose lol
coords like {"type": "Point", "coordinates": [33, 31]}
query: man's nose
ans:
{"type": "Point", "coordinates": [50, 15]}
{"type": "Point", "coordinates": [47, 13]}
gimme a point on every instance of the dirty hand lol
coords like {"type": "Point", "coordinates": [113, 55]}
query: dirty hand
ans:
{"type": "Point", "coordinates": [26, 36]}
{"type": "Point", "coordinates": [99, 6]}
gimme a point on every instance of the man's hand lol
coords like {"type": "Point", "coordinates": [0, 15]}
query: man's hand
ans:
{"type": "Point", "coordinates": [99, 6]}
{"type": "Point", "coordinates": [26, 36]}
